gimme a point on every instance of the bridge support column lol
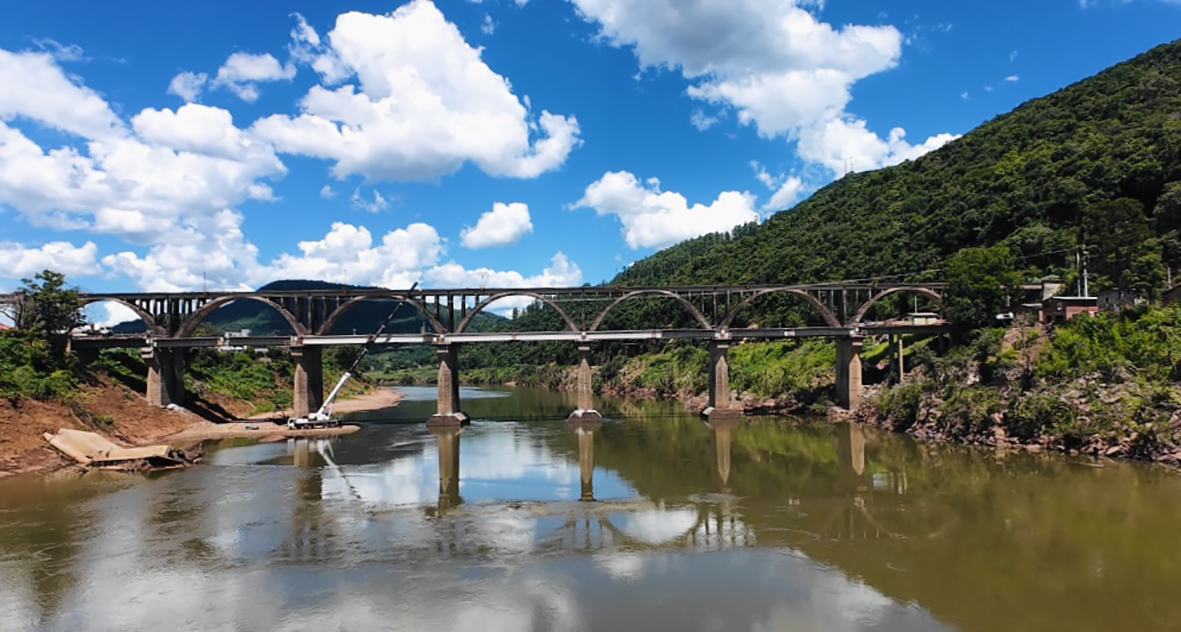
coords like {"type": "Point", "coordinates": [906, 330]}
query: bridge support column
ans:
{"type": "Point", "coordinates": [309, 380]}
{"type": "Point", "coordinates": [586, 407]}
{"type": "Point", "coordinates": [899, 355]}
{"type": "Point", "coordinates": [448, 413]}
{"type": "Point", "coordinates": [166, 375]}
{"type": "Point", "coordinates": [720, 405]}
{"type": "Point", "coordinates": [85, 356]}
{"type": "Point", "coordinates": [849, 372]}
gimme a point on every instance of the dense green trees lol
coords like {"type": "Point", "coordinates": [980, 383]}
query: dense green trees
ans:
{"type": "Point", "coordinates": [981, 283]}
{"type": "Point", "coordinates": [1121, 246]}
{"type": "Point", "coordinates": [33, 360]}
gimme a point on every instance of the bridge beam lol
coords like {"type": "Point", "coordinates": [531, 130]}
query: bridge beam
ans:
{"type": "Point", "coordinates": [849, 384]}
{"type": "Point", "coordinates": [448, 412]}
{"type": "Point", "coordinates": [165, 381]}
{"type": "Point", "coordinates": [586, 406]}
{"type": "Point", "coordinates": [721, 407]}
{"type": "Point", "coordinates": [309, 379]}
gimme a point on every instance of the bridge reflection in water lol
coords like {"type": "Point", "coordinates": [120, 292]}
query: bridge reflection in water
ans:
{"type": "Point", "coordinates": [807, 527]}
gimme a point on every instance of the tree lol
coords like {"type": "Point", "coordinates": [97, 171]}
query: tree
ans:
{"type": "Point", "coordinates": [1121, 245]}
{"type": "Point", "coordinates": [50, 309]}
{"type": "Point", "coordinates": [980, 283]}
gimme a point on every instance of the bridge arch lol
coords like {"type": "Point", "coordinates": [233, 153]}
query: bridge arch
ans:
{"type": "Point", "coordinates": [922, 291]}
{"type": "Point", "coordinates": [673, 295]}
{"type": "Point", "coordinates": [149, 320]}
{"type": "Point", "coordinates": [825, 312]}
{"type": "Point", "coordinates": [343, 309]}
{"type": "Point", "coordinates": [190, 324]}
{"type": "Point", "coordinates": [479, 307]}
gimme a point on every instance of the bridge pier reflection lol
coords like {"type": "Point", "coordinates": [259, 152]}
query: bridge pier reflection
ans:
{"type": "Point", "coordinates": [851, 457]}
{"type": "Point", "coordinates": [448, 413]}
{"type": "Point", "coordinates": [721, 440]}
{"type": "Point", "coordinates": [448, 446]}
{"type": "Point", "coordinates": [585, 431]}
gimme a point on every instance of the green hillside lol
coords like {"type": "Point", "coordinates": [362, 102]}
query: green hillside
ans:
{"type": "Point", "coordinates": [1026, 179]}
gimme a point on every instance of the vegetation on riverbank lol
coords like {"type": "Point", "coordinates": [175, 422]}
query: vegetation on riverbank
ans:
{"type": "Point", "coordinates": [1104, 385]}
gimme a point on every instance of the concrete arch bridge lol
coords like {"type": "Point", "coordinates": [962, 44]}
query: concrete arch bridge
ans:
{"type": "Point", "coordinates": [172, 321]}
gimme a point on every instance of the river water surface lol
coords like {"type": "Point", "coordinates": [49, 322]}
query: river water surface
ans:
{"type": "Point", "coordinates": [651, 521]}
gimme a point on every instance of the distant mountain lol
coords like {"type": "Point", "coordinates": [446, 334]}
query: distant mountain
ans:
{"type": "Point", "coordinates": [364, 318]}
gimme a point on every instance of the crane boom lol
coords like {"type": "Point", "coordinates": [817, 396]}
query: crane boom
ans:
{"type": "Point", "coordinates": [322, 415]}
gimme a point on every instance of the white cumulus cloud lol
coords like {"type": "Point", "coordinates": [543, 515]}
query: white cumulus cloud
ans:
{"type": "Point", "coordinates": [773, 62]}
{"type": "Point", "coordinates": [18, 261]}
{"type": "Point", "coordinates": [188, 85]}
{"type": "Point", "coordinates": [504, 225]}
{"type": "Point", "coordinates": [36, 88]}
{"type": "Point", "coordinates": [653, 218]}
{"type": "Point", "coordinates": [560, 273]}
{"type": "Point", "coordinates": [242, 72]}
{"type": "Point", "coordinates": [422, 104]}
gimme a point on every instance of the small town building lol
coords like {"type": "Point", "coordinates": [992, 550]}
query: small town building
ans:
{"type": "Point", "coordinates": [1057, 309]}
{"type": "Point", "coordinates": [4, 327]}
{"type": "Point", "coordinates": [924, 318]}
{"type": "Point", "coordinates": [1171, 296]}
{"type": "Point", "coordinates": [1115, 299]}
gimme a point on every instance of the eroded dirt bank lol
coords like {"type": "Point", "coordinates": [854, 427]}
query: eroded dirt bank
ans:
{"type": "Point", "coordinates": [117, 412]}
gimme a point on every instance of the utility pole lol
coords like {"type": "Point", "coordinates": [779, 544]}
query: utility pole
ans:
{"type": "Point", "coordinates": [1086, 290]}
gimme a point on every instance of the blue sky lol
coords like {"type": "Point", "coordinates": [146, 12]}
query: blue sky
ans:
{"type": "Point", "coordinates": [159, 146]}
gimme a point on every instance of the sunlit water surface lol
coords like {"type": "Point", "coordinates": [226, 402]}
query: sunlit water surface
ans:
{"type": "Point", "coordinates": [651, 521]}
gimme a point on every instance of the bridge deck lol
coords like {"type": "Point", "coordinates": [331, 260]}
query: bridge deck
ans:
{"type": "Point", "coordinates": [140, 340]}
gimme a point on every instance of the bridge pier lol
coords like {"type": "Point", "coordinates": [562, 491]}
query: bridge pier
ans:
{"type": "Point", "coordinates": [899, 355]}
{"type": "Point", "coordinates": [721, 407]}
{"type": "Point", "coordinates": [849, 372]}
{"type": "Point", "coordinates": [309, 380]}
{"type": "Point", "coordinates": [85, 356]}
{"type": "Point", "coordinates": [448, 414]}
{"type": "Point", "coordinates": [165, 381]}
{"type": "Point", "coordinates": [586, 407]}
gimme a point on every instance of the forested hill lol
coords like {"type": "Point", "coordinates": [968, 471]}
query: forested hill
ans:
{"type": "Point", "coordinates": [1027, 179]}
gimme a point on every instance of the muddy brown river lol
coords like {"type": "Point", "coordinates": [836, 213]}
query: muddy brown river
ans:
{"type": "Point", "coordinates": [651, 521]}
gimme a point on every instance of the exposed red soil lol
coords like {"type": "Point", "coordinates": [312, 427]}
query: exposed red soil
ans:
{"type": "Point", "coordinates": [126, 417]}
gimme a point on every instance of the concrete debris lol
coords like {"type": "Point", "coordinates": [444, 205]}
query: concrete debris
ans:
{"type": "Point", "coordinates": [94, 450]}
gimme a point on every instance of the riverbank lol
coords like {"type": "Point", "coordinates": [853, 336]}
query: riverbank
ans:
{"type": "Point", "coordinates": [118, 413]}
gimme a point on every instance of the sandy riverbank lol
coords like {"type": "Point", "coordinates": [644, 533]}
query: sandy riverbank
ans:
{"type": "Point", "coordinates": [376, 399]}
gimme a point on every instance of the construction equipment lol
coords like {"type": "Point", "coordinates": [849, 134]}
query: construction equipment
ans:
{"type": "Point", "coordinates": [323, 418]}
